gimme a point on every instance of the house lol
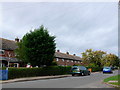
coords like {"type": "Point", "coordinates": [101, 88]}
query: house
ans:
{"type": "Point", "coordinates": [8, 57]}
{"type": "Point", "coordinates": [65, 59]}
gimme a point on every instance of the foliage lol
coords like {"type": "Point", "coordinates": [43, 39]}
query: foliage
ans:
{"type": "Point", "coordinates": [3, 68]}
{"type": "Point", "coordinates": [37, 47]}
{"type": "Point", "coordinates": [110, 60]}
{"type": "Point", "coordinates": [32, 72]}
{"type": "Point", "coordinates": [90, 56]}
{"type": "Point", "coordinates": [94, 67]}
{"type": "Point", "coordinates": [54, 63]}
{"type": "Point", "coordinates": [99, 58]}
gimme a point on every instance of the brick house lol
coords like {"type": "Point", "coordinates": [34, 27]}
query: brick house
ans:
{"type": "Point", "coordinates": [65, 59]}
{"type": "Point", "coordinates": [7, 55]}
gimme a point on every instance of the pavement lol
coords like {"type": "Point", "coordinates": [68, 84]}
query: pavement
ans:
{"type": "Point", "coordinates": [34, 78]}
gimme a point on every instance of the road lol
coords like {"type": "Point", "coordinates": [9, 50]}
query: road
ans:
{"type": "Point", "coordinates": [92, 81]}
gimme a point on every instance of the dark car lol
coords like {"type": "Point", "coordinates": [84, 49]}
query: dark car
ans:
{"type": "Point", "coordinates": [79, 70]}
{"type": "Point", "coordinates": [107, 70]}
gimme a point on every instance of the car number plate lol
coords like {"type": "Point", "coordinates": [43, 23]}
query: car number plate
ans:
{"type": "Point", "coordinates": [74, 71]}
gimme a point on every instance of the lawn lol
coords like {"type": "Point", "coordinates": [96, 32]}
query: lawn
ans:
{"type": "Point", "coordinates": [113, 78]}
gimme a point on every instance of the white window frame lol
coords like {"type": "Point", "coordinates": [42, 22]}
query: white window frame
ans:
{"type": "Point", "coordinates": [63, 60]}
{"type": "Point", "coordinates": [57, 59]}
{"type": "Point", "coordinates": [2, 51]}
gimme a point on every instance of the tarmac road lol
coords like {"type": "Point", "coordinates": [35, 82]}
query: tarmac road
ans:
{"type": "Point", "coordinates": [92, 81]}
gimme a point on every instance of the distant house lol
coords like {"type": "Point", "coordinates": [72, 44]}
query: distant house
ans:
{"type": "Point", "coordinates": [8, 57]}
{"type": "Point", "coordinates": [65, 59]}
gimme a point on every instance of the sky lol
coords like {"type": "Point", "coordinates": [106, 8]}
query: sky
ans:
{"type": "Point", "coordinates": [77, 25]}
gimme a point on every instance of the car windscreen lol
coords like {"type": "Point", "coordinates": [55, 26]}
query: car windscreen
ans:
{"type": "Point", "coordinates": [107, 68]}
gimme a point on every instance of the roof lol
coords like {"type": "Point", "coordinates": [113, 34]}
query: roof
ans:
{"type": "Point", "coordinates": [67, 56]}
{"type": "Point", "coordinates": [7, 44]}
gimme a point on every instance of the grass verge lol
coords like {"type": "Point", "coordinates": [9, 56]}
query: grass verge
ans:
{"type": "Point", "coordinates": [115, 79]}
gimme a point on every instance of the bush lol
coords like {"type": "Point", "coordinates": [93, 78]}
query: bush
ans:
{"type": "Point", "coordinates": [94, 68]}
{"type": "Point", "coordinates": [3, 68]}
{"type": "Point", "coordinates": [32, 72]}
{"type": "Point", "coordinates": [54, 63]}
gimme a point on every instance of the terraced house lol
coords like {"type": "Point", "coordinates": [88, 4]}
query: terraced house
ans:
{"type": "Point", "coordinates": [8, 57]}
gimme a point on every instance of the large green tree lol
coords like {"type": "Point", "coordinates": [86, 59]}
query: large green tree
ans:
{"type": "Point", "coordinates": [90, 56]}
{"type": "Point", "coordinates": [99, 58]}
{"type": "Point", "coordinates": [110, 60]}
{"type": "Point", "coordinates": [37, 47]}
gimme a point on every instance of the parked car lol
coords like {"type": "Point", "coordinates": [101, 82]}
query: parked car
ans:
{"type": "Point", "coordinates": [107, 70]}
{"type": "Point", "coordinates": [79, 70]}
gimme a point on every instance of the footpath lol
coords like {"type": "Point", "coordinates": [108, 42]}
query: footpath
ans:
{"type": "Point", "coordinates": [35, 78]}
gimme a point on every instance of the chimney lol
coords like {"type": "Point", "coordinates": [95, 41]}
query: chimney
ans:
{"type": "Point", "coordinates": [67, 53]}
{"type": "Point", "coordinates": [58, 50]}
{"type": "Point", "coordinates": [74, 54]}
{"type": "Point", "coordinates": [17, 39]}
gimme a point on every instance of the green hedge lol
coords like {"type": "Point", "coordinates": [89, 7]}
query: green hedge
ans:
{"type": "Point", "coordinates": [94, 69]}
{"type": "Point", "coordinates": [31, 72]}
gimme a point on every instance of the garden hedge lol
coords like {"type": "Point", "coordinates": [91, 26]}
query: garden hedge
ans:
{"type": "Point", "coordinates": [32, 72]}
{"type": "Point", "coordinates": [94, 69]}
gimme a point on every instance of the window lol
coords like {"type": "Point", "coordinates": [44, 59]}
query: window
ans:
{"type": "Point", "coordinates": [2, 52]}
{"type": "Point", "coordinates": [63, 60]}
{"type": "Point", "coordinates": [83, 68]}
{"type": "Point", "coordinates": [71, 60]}
{"type": "Point", "coordinates": [57, 59]}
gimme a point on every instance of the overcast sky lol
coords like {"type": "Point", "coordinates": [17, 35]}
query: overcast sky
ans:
{"type": "Point", "coordinates": [77, 26]}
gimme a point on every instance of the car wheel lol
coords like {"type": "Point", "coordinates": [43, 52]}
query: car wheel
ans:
{"type": "Point", "coordinates": [89, 73]}
{"type": "Point", "coordinates": [73, 74]}
{"type": "Point", "coordinates": [84, 74]}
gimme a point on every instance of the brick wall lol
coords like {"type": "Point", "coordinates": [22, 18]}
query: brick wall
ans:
{"type": "Point", "coordinates": [8, 53]}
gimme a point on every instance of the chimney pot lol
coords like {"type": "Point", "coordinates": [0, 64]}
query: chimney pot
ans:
{"type": "Point", "coordinates": [67, 53]}
{"type": "Point", "coordinates": [58, 50]}
{"type": "Point", "coordinates": [17, 39]}
{"type": "Point", "coordinates": [74, 54]}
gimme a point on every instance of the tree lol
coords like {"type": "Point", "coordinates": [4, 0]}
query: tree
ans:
{"type": "Point", "coordinates": [99, 58]}
{"type": "Point", "coordinates": [37, 47]}
{"type": "Point", "coordinates": [90, 56]}
{"type": "Point", "coordinates": [110, 60]}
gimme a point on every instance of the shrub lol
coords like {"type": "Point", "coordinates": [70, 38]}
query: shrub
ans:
{"type": "Point", "coordinates": [94, 68]}
{"type": "Point", "coordinates": [32, 72]}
